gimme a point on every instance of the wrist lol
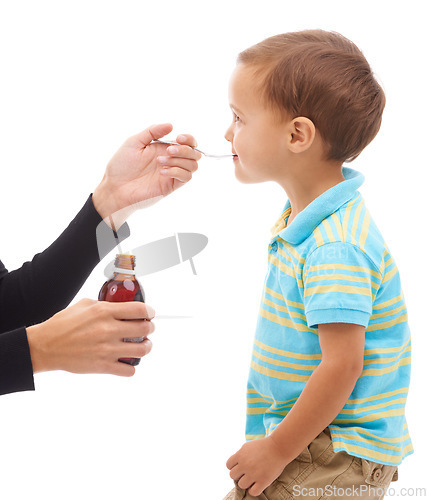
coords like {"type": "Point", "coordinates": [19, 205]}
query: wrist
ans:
{"type": "Point", "coordinates": [39, 358]}
{"type": "Point", "coordinates": [107, 206]}
{"type": "Point", "coordinates": [279, 448]}
{"type": "Point", "coordinates": [102, 200]}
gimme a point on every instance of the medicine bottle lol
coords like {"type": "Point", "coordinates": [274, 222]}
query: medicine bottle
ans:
{"type": "Point", "coordinates": [124, 287]}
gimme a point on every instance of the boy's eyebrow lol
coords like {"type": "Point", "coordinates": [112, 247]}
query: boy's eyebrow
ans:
{"type": "Point", "coordinates": [234, 108]}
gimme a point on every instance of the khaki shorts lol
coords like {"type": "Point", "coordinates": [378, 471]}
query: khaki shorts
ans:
{"type": "Point", "coordinates": [320, 473]}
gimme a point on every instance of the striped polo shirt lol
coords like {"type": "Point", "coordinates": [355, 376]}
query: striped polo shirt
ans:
{"type": "Point", "coordinates": [331, 265]}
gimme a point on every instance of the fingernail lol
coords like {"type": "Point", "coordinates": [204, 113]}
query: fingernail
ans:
{"type": "Point", "coordinates": [173, 150]}
{"type": "Point", "coordinates": [182, 138]}
{"type": "Point", "coordinates": [162, 159]}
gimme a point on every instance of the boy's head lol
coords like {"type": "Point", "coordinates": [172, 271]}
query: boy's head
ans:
{"type": "Point", "coordinates": [314, 86]}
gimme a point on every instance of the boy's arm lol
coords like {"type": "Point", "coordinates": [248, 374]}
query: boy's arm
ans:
{"type": "Point", "coordinates": [327, 390]}
{"type": "Point", "coordinates": [258, 463]}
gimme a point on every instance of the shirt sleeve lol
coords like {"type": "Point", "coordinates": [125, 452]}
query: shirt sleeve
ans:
{"type": "Point", "coordinates": [340, 284]}
{"type": "Point", "coordinates": [16, 368]}
{"type": "Point", "coordinates": [46, 285]}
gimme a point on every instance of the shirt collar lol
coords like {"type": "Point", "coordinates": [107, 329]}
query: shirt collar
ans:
{"type": "Point", "coordinates": [320, 208]}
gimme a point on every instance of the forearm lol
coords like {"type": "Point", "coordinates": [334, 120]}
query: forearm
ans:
{"type": "Point", "coordinates": [49, 282]}
{"type": "Point", "coordinates": [322, 399]}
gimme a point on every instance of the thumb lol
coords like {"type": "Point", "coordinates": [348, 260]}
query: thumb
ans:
{"type": "Point", "coordinates": [149, 134]}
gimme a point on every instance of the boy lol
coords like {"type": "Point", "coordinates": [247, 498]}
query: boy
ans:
{"type": "Point", "coordinates": [330, 368]}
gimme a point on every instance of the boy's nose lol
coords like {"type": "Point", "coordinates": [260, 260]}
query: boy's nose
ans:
{"type": "Point", "coordinates": [228, 134]}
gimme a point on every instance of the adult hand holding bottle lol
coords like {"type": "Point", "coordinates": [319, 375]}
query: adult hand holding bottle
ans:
{"type": "Point", "coordinates": [37, 333]}
{"type": "Point", "coordinates": [87, 337]}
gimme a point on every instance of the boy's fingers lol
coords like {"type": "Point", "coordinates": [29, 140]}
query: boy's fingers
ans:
{"type": "Point", "coordinates": [237, 473]}
{"type": "Point", "coordinates": [255, 490]}
{"type": "Point", "coordinates": [245, 482]}
{"type": "Point", "coordinates": [231, 462]}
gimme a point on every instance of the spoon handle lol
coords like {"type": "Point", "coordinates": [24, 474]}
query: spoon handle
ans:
{"type": "Point", "coordinates": [176, 144]}
{"type": "Point", "coordinates": [201, 152]}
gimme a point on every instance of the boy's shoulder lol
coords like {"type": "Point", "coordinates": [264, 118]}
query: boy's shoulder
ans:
{"type": "Point", "coordinates": [348, 230]}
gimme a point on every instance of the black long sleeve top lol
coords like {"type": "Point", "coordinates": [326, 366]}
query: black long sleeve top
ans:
{"type": "Point", "coordinates": [44, 286]}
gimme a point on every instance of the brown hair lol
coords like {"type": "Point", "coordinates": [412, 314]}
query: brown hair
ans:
{"type": "Point", "coordinates": [323, 76]}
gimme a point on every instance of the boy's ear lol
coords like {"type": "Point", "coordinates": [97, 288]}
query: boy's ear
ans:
{"type": "Point", "coordinates": [302, 133]}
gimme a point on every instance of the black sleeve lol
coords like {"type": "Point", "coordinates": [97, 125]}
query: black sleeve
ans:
{"type": "Point", "coordinates": [16, 369]}
{"type": "Point", "coordinates": [44, 286]}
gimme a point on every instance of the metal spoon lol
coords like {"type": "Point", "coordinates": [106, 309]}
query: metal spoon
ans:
{"type": "Point", "coordinates": [218, 157]}
{"type": "Point", "coordinates": [172, 317]}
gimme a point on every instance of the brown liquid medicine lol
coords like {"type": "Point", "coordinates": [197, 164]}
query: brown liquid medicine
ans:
{"type": "Point", "coordinates": [124, 287]}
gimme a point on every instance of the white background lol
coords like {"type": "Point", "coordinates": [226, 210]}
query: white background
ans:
{"type": "Point", "coordinates": [78, 78]}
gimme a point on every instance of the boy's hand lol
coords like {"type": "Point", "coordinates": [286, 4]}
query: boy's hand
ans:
{"type": "Point", "coordinates": [257, 464]}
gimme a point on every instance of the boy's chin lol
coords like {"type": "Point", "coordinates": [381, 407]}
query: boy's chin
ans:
{"type": "Point", "coordinates": [247, 181]}
{"type": "Point", "coordinates": [244, 177]}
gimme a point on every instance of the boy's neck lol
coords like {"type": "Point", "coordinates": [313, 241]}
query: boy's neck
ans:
{"type": "Point", "coordinates": [304, 185]}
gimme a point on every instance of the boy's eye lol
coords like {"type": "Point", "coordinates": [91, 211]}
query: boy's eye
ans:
{"type": "Point", "coordinates": [236, 118]}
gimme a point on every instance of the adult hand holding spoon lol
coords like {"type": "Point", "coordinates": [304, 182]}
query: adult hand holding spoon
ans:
{"type": "Point", "coordinates": [134, 177]}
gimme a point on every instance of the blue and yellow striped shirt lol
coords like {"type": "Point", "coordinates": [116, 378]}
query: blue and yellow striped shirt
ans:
{"type": "Point", "coordinates": [331, 265]}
